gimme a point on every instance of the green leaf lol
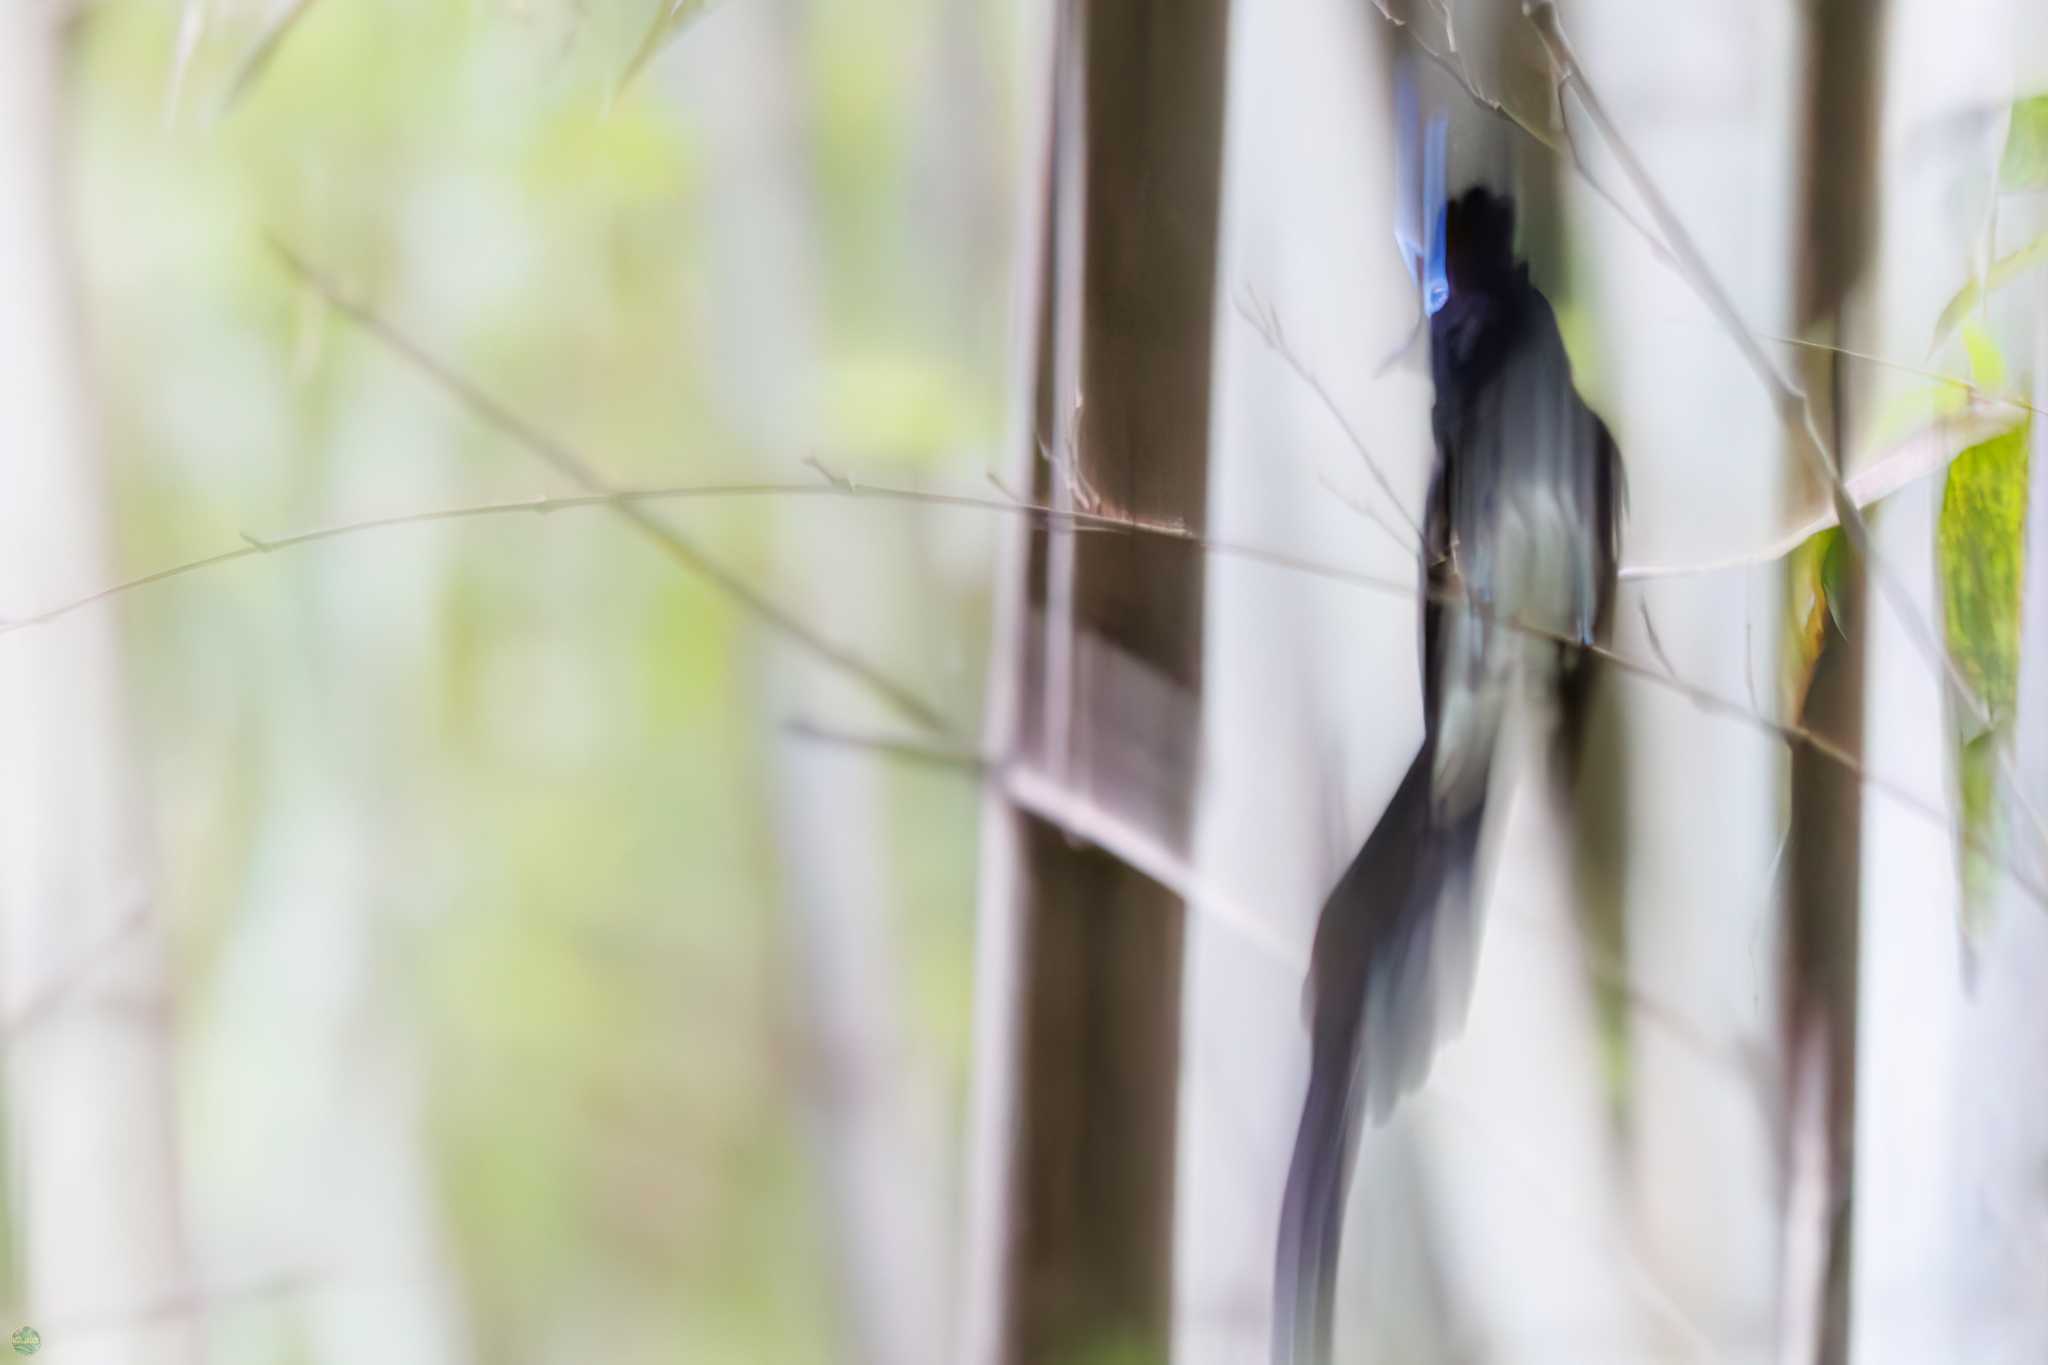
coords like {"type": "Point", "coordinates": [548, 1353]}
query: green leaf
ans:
{"type": "Point", "coordinates": [1980, 552]}
{"type": "Point", "coordinates": [1987, 362]}
{"type": "Point", "coordinates": [1977, 775]}
{"type": "Point", "coordinates": [1813, 571]}
{"type": "Point", "coordinates": [2003, 272]}
{"type": "Point", "coordinates": [2025, 164]}
{"type": "Point", "coordinates": [1980, 545]}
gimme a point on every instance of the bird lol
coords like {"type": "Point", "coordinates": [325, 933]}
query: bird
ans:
{"type": "Point", "coordinates": [1520, 542]}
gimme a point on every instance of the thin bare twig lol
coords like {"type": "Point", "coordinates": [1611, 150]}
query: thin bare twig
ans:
{"type": "Point", "coordinates": [1569, 150]}
{"type": "Point", "coordinates": [1683, 255]}
{"type": "Point", "coordinates": [1462, 74]}
{"type": "Point", "coordinates": [1885, 362]}
{"type": "Point", "coordinates": [1266, 323]}
{"type": "Point", "coordinates": [1579, 163]}
{"type": "Point", "coordinates": [995, 481]}
{"type": "Point", "coordinates": [1044, 518]}
{"type": "Point", "coordinates": [585, 475]}
{"type": "Point", "coordinates": [1737, 1059]}
{"type": "Point", "coordinates": [262, 54]}
{"type": "Point", "coordinates": [1369, 512]}
{"type": "Point", "coordinates": [1656, 645]}
{"type": "Point", "coordinates": [253, 546]}
{"type": "Point", "coordinates": [908, 748]}
{"type": "Point", "coordinates": [1794, 412]}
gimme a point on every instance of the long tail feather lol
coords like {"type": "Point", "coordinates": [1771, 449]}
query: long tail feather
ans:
{"type": "Point", "coordinates": [1389, 976]}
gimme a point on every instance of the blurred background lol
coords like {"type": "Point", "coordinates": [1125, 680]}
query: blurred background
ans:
{"type": "Point", "coordinates": [545, 933]}
{"type": "Point", "coordinates": [484, 865]}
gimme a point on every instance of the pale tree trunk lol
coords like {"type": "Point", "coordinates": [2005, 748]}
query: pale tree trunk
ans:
{"type": "Point", "coordinates": [94, 1175]}
{"type": "Point", "coordinates": [1080, 1032]}
{"type": "Point", "coordinates": [2000, 1215]}
{"type": "Point", "coordinates": [1487, 1220]}
{"type": "Point", "coordinates": [1934, 1064]}
{"type": "Point", "coordinates": [1311, 710]}
{"type": "Point", "coordinates": [1705, 97]}
{"type": "Point", "coordinates": [321, 1187]}
{"type": "Point", "coordinates": [320, 1180]}
{"type": "Point", "coordinates": [1514, 1166]}
{"type": "Point", "coordinates": [870, 1101]}
{"type": "Point", "coordinates": [1998, 1106]}
{"type": "Point", "coordinates": [1996, 1113]}
{"type": "Point", "coordinates": [1525, 1168]}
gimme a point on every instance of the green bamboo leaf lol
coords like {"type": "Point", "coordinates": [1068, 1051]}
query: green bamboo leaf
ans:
{"type": "Point", "coordinates": [1987, 362]}
{"type": "Point", "coordinates": [1813, 571]}
{"type": "Point", "coordinates": [1980, 545]}
{"type": "Point", "coordinates": [2025, 163]}
{"type": "Point", "coordinates": [2003, 272]}
{"type": "Point", "coordinates": [1977, 776]}
{"type": "Point", "coordinates": [1980, 551]}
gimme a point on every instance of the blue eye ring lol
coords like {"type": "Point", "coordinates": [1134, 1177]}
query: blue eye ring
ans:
{"type": "Point", "coordinates": [1436, 282]}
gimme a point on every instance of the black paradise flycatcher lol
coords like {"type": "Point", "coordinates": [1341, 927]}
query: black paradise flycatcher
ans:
{"type": "Point", "coordinates": [1521, 528]}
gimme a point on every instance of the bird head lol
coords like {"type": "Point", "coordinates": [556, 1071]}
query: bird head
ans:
{"type": "Point", "coordinates": [1479, 240]}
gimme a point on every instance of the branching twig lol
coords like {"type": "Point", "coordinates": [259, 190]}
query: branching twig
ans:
{"type": "Point", "coordinates": [585, 475]}
{"type": "Point", "coordinates": [1267, 324]}
{"type": "Point", "coordinates": [1461, 73]}
{"type": "Point", "coordinates": [1656, 645]}
{"type": "Point", "coordinates": [263, 53]}
{"type": "Point", "coordinates": [1737, 1059]}
{"type": "Point", "coordinates": [843, 482]}
{"type": "Point", "coordinates": [1369, 512]}
{"type": "Point", "coordinates": [1046, 517]}
{"type": "Point", "coordinates": [1794, 412]}
{"type": "Point", "coordinates": [908, 748]}
{"type": "Point", "coordinates": [1954, 381]}
{"type": "Point", "coordinates": [1569, 151]}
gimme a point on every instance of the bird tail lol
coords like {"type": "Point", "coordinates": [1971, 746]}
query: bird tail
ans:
{"type": "Point", "coordinates": [1389, 976]}
{"type": "Point", "coordinates": [1311, 1215]}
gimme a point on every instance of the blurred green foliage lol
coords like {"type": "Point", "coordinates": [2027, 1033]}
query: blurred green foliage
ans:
{"type": "Point", "coordinates": [528, 760]}
{"type": "Point", "coordinates": [2024, 165]}
{"type": "Point", "coordinates": [2006, 269]}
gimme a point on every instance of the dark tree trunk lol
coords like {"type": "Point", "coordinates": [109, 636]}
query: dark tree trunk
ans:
{"type": "Point", "coordinates": [1825, 849]}
{"type": "Point", "coordinates": [1103, 665]}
